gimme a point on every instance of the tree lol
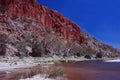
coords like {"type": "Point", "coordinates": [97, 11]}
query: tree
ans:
{"type": "Point", "coordinates": [55, 45]}
{"type": "Point", "coordinates": [73, 48]}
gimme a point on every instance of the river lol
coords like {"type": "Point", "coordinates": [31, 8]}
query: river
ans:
{"type": "Point", "coordinates": [92, 70]}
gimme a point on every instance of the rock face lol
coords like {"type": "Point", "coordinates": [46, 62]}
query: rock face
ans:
{"type": "Point", "coordinates": [20, 18]}
{"type": "Point", "coordinates": [48, 18]}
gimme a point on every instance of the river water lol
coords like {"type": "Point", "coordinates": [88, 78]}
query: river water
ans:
{"type": "Point", "coordinates": [84, 70]}
{"type": "Point", "coordinates": [92, 70]}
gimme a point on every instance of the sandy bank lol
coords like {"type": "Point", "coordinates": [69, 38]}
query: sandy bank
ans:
{"type": "Point", "coordinates": [114, 60]}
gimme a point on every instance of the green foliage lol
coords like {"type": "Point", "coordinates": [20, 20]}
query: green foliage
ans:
{"type": "Point", "coordinates": [2, 49]}
{"type": "Point", "coordinates": [26, 27]}
{"type": "Point", "coordinates": [21, 46]}
{"type": "Point", "coordinates": [56, 72]}
{"type": "Point", "coordinates": [3, 38]}
{"type": "Point", "coordinates": [98, 55]}
{"type": "Point", "coordinates": [35, 70]}
{"type": "Point", "coordinates": [73, 48]}
{"type": "Point", "coordinates": [54, 44]}
{"type": "Point", "coordinates": [51, 72]}
{"type": "Point", "coordinates": [50, 45]}
{"type": "Point", "coordinates": [20, 76]}
{"type": "Point", "coordinates": [38, 47]}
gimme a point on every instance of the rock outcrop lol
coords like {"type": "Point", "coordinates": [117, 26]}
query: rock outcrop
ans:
{"type": "Point", "coordinates": [48, 18]}
{"type": "Point", "coordinates": [23, 19]}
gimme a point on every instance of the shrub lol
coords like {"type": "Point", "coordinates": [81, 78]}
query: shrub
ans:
{"type": "Point", "coordinates": [87, 56]}
{"type": "Point", "coordinates": [35, 70]}
{"type": "Point", "coordinates": [98, 55]}
{"type": "Point", "coordinates": [2, 49]}
{"type": "Point", "coordinates": [20, 76]}
{"type": "Point", "coordinates": [51, 71]}
{"type": "Point", "coordinates": [3, 38]}
{"type": "Point", "coordinates": [56, 72]}
{"type": "Point", "coordinates": [38, 48]}
{"type": "Point", "coordinates": [78, 54]}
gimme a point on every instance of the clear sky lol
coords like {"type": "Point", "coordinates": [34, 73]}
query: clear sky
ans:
{"type": "Point", "coordinates": [99, 18]}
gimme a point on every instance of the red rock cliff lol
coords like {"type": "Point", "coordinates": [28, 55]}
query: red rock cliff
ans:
{"type": "Point", "coordinates": [47, 17]}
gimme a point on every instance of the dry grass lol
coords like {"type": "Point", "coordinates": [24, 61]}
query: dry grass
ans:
{"type": "Point", "coordinates": [48, 71]}
{"type": "Point", "coordinates": [56, 72]}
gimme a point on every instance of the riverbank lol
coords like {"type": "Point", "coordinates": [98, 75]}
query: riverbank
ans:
{"type": "Point", "coordinates": [29, 68]}
{"type": "Point", "coordinates": [79, 67]}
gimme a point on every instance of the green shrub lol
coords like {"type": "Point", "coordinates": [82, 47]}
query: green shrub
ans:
{"type": "Point", "coordinates": [98, 55]}
{"type": "Point", "coordinates": [3, 38]}
{"type": "Point", "coordinates": [20, 76]}
{"type": "Point", "coordinates": [51, 71]}
{"type": "Point", "coordinates": [35, 70]}
{"type": "Point", "coordinates": [2, 49]}
{"type": "Point", "coordinates": [87, 56]}
{"type": "Point", "coordinates": [56, 72]}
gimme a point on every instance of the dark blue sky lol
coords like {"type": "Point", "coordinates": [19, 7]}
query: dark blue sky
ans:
{"type": "Point", "coordinates": [99, 18]}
